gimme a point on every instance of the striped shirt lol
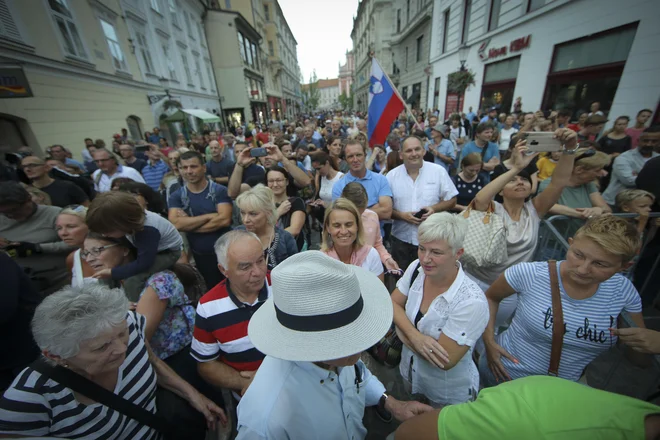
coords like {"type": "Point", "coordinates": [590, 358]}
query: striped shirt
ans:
{"type": "Point", "coordinates": [153, 174]}
{"type": "Point", "coordinates": [586, 321]}
{"type": "Point", "coordinates": [37, 406]}
{"type": "Point", "coordinates": [221, 328]}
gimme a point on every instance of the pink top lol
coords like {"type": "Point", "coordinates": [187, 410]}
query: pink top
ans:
{"type": "Point", "coordinates": [634, 134]}
{"type": "Point", "coordinates": [372, 235]}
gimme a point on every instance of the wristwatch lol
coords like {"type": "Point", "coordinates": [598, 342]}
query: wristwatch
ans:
{"type": "Point", "coordinates": [565, 151]}
{"type": "Point", "coordinates": [382, 400]}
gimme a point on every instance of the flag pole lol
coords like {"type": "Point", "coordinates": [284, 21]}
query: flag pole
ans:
{"type": "Point", "coordinates": [396, 92]}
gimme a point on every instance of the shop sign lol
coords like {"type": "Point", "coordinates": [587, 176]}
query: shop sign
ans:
{"type": "Point", "coordinates": [516, 45]}
{"type": "Point", "coordinates": [13, 83]}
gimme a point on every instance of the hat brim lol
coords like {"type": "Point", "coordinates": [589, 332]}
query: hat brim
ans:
{"type": "Point", "coordinates": [272, 338]}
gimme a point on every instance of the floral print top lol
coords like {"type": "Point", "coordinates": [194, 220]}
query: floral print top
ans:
{"type": "Point", "coordinates": [175, 329]}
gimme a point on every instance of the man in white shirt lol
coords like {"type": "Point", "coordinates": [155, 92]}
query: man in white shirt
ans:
{"type": "Point", "coordinates": [109, 169]}
{"type": "Point", "coordinates": [312, 384]}
{"type": "Point", "coordinates": [418, 187]}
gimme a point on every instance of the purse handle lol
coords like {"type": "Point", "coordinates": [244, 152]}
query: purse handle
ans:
{"type": "Point", "coordinates": [489, 211]}
{"type": "Point", "coordinates": [557, 321]}
{"type": "Point", "coordinates": [92, 390]}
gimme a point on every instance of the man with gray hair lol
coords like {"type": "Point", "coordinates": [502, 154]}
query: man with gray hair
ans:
{"type": "Point", "coordinates": [109, 169]}
{"type": "Point", "coordinates": [226, 357]}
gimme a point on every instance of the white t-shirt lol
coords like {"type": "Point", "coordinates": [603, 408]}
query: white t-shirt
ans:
{"type": "Point", "coordinates": [103, 182]}
{"type": "Point", "coordinates": [461, 313]}
{"type": "Point", "coordinates": [372, 262]}
{"type": "Point", "coordinates": [505, 137]}
{"type": "Point", "coordinates": [529, 338]}
{"type": "Point", "coordinates": [325, 193]}
{"type": "Point", "coordinates": [521, 239]}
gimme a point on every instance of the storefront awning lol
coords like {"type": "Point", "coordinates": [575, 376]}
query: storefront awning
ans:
{"type": "Point", "coordinates": [200, 114]}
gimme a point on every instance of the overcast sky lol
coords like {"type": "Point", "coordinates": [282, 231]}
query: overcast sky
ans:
{"type": "Point", "coordinates": [322, 29]}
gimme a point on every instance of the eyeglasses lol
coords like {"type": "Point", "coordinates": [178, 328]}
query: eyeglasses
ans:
{"type": "Point", "coordinates": [278, 181]}
{"type": "Point", "coordinates": [95, 252]}
{"type": "Point", "coordinates": [30, 166]}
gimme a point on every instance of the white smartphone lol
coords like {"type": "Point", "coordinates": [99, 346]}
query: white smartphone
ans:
{"type": "Point", "coordinates": [542, 141]}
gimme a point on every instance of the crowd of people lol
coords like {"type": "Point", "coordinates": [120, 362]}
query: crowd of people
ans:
{"type": "Point", "coordinates": [144, 279]}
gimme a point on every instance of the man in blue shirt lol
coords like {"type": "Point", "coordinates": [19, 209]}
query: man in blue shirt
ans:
{"type": "Point", "coordinates": [155, 169]}
{"type": "Point", "coordinates": [489, 151]}
{"type": "Point", "coordinates": [378, 190]}
{"type": "Point", "coordinates": [433, 121]}
{"type": "Point", "coordinates": [471, 115]}
{"type": "Point", "coordinates": [202, 209]}
{"type": "Point", "coordinates": [442, 149]}
{"type": "Point", "coordinates": [220, 166]}
{"type": "Point", "coordinates": [491, 116]}
{"type": "Point", "coordinates": [154, 138]}
{"type": "Point", "coordinates": [58, 152]}
{"type": "Point", "coordinates": [309, 137]}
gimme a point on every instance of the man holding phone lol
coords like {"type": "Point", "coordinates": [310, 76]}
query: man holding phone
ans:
{"type": "Point", "coordinates": [419, 189]}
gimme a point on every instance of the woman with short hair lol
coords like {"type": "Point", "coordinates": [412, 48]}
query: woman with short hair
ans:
{"type": "Point", "coordinates": [344, 237]}
{"type": "Point", "coordinates": [440, 313]}
{"type": "Point", "coordinates": [89, 331]}
{"type": "Point", "coordinates": [259, 215]}
{"type": "Point", "coordinates": [593, 294]}
{"type": "Point", "coordinates": [72, 230]}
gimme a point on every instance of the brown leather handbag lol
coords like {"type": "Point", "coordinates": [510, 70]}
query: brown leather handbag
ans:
{"type": "Point", "coordinates": [557, 321]}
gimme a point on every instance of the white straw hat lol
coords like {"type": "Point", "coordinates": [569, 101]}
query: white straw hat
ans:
{"type": "Point", "coordinates": [321, 309]}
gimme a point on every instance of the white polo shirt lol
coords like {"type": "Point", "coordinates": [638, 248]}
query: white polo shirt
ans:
{"type": "Point", "coordinates": [104, 183]}
{"type": "Point", "coordinates": [432, 186]}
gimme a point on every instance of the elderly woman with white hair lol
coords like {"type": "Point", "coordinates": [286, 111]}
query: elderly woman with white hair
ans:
{"type": "Point", "coordinates": [439, 313]}
{"type": "Point", "coordinates": [89, 339]}
{"type": "Point", "coordinates": [259, 216]}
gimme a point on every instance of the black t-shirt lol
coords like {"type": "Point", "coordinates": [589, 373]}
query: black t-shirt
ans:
{"type": "Point", "coordinates": [297, 204]}
{"type": "Point", "coordinates": [63, 193]}
{"type": "Point", "coordinates": [137, 165]}
{"type": "Point", "coordinates": [610, 146]}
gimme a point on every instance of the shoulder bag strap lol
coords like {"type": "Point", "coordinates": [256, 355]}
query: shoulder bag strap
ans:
{"type": "Point", "coordinates": [99, 394]}
{"type": "Point", "coordinates": [557, 321]}
{"type": "Point", "coordinates": [414, 275]}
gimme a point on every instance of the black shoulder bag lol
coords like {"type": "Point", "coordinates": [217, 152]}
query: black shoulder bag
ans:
{"type": "Point", "coordinates": [99, 394]}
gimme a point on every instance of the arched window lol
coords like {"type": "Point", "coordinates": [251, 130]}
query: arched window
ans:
{"type": "Point", "coordinates": [134, 125]}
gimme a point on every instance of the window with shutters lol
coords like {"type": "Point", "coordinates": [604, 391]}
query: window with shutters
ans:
{"type": "Point", "coordinates": [210, 75]}
{"type": "Point", "coordinates": [8, 27]}
{"type": "Point", "coordinates": [200, 75]}
{"type": "Point", "coordinates": [168, 59]}
{"type": "Point", "coordinates": [145, 53]}
{"type": "Point", "coordinates": [186, 68]}
{"type": "Point", "coordinates": [64, 21]}
{"type": "Point", "coordinates": [118, 59]}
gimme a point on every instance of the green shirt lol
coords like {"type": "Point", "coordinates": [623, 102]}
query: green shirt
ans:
{"type": "Point", "coordinates": [574, 196]}
{"type": "Point", "coordinates": [544, 407]}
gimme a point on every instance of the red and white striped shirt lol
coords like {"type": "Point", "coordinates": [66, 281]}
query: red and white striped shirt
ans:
{"type": "Point", "coordinates": [221, 328]}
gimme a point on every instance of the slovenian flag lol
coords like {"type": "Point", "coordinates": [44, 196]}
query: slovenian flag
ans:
{"type": "Point", "coordinates": [385, 104]}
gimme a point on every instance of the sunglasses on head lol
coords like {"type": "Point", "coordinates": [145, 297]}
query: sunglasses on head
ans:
{"type": "Point", "coordinates": [590, 152]}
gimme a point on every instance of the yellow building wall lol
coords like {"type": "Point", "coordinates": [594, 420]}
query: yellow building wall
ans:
{"type": "Point", "coordinates": [66, 110]}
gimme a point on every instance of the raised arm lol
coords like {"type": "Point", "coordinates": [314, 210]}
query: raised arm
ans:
{"type": "Point", "coordinates": [560, 177]}
{"type": "Point", "coordinates": [519, 162]}
{"type": "Point", "coordinates": [243, 161]}
{"type": "Point", "coordinates": [300, 178]}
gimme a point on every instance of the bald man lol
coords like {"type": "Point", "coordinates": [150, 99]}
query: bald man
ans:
{"type": "Point", "coordinates": [62, 193]}
{"type": "Point", "coordinates": [220, 166]}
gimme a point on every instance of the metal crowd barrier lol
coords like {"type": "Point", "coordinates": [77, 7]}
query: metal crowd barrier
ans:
{"type": "Point", "coordinates": [555, 231]}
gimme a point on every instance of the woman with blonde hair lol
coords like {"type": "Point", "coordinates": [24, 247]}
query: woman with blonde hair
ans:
{"type": "Point", "coordinates": [344, 238]}
{"type": "Point", "coordinates": [259, 215]}
{"type": "Point", "coordinates": [72, 230]}
{"type": "Point", "coordinates": [593, 294]}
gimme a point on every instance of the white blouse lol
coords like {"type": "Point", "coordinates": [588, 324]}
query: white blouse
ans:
{"type": "Point", "coordinates": [462, 314]}
{"type": "Point", "coordinates": [325, 193]}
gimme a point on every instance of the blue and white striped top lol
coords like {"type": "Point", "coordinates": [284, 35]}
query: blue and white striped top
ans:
{"type": "Point", "coordinates": [529, 338]}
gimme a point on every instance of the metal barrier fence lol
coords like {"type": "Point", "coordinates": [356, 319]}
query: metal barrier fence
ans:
{"type": "Point", "coordinates": [555, 231]}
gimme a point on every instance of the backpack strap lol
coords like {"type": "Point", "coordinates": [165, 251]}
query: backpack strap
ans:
{"type": "Point", "coordinates": [414, 275]}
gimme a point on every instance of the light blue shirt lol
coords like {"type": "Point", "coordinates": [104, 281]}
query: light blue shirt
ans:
{"type": "Point", "coordinates": [299, 400]}
{"type": "Point", "coordinates": [624, 173]}
{"type": "Point", "coordinates": [375, 184]}
{"type": "Point", "coordinates": [446, 147]}
{"type": "Point", "coordinates": [74, 163]}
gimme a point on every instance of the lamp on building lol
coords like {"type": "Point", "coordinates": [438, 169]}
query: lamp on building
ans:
{"type": "Point", "coordinates": [462, 55]}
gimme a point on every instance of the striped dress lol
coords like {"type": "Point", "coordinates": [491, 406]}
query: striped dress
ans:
{"type": "Point", "coordinates": [586, 321]}
{"type": "Point", "coordinates": [37, 406]}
